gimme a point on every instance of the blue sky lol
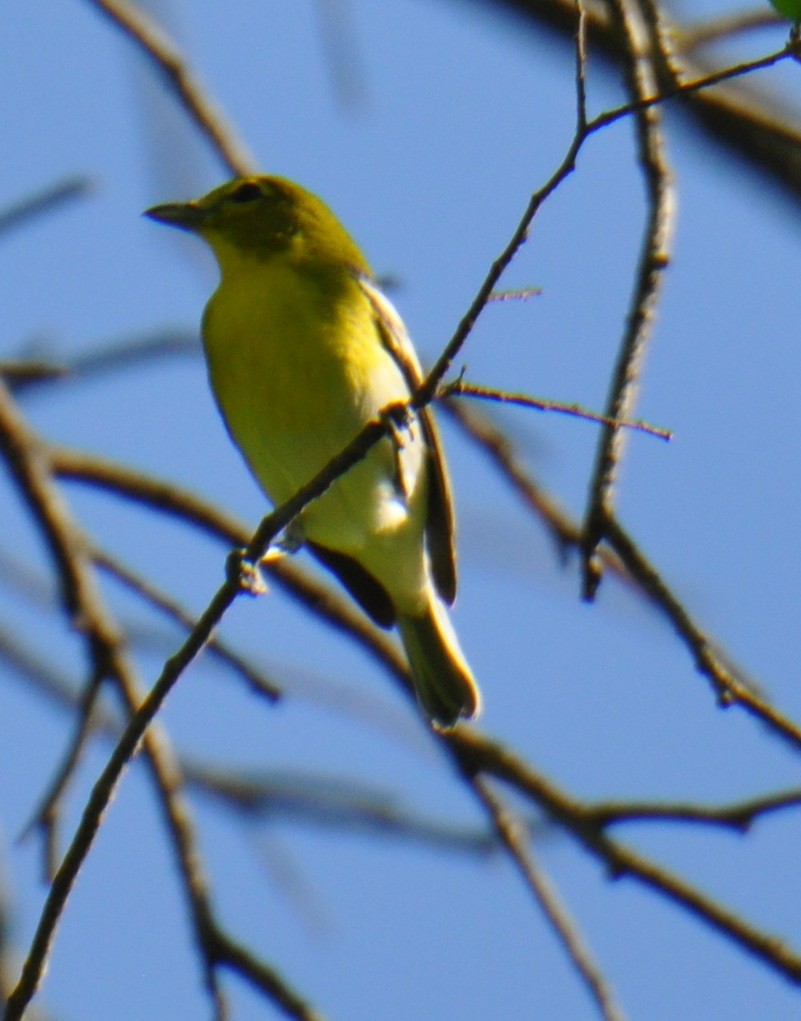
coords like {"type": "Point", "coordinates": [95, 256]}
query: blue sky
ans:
{"type": "Point", "coordinates": [459, 116]}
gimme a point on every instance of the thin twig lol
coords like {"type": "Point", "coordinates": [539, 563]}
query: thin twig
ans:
{"type": "Point", "coordinates": [580, 49]}
{"type": "Point", "coordinates": [687, 89]}
{"type": "Point", "coordinates": [48, 814]}
{"type": "Point", "coordinates": [741, 120]}
{"type": "Point", "coordinates": [462, 389]}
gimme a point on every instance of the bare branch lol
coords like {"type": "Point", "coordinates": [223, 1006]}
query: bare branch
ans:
{"type": "Point", "coordinates": [462, 389]}
{"type": "Point", "coordinates": [476, 754]}
{"type": "Point", "coordinates": [744, 121]}
{"type": "Point", "coordinates": [642, 41]}
{"type": "Point", "coordinates": [27, 459]}
{"type": "Point", "coordinates": [43, 202]}
{"type": "Point", "coordinates": [258, 683]}
{"type": "Point", "coordinates": [170, 63]}
{"type": "Point", "coordinates": [730, 688]}
{"type": "Point", "coordinates": [512, 833]}
{"type": "Point", "coordinates": [739, 816]}
{"type": "Point", "coordinates": [726, 26]}
{"type": "Point", "coordinates": [172, 499]}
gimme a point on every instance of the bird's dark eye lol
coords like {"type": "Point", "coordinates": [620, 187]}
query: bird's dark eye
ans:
{"type": "Point", "coordinates": [248, 191]}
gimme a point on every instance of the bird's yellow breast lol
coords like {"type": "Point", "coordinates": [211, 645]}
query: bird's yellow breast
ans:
{"type": "Point", "coordinates": [297, 367]}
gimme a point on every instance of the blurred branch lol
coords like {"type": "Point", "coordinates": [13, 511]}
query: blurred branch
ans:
{"type": "Point", "coordinates": [215, 946]}
{"type": "Point", "coordinates": [105, 474]}
{"type": "Point", "coordinates": [341, 48]}
{"type": "Point", "coordinates": [513, 835]}
{"type": "Point", "coordinates": [27, 460]}
{"type": "Point", "coordinates": [24, 376]}
{"type": "Point", "coordinates": [22, 373]}
{"type": "Point", "coordinates": [726, 26]}
{"type": "Point", "coordinates": [476, 755]}
{"type": "Point", "coordinates": [28, 463]}
{"type": "Point", "coordinates": [30, 664]}
{"type": "Point", "coordinates": [348, 805]}
{"type": "Point", "coordinates": [320, 801]}
{"type": "Point", "coordinates": [43, 202]}
{"type": "Point", "coordinates": [47, 816]}
{"type": "Point", "coordinates": [171, 65]}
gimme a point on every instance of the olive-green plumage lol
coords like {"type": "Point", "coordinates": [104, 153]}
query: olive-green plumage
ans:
{"type": "Point", "coordinates": [303, 351]}
{"type": "Point", "coordinates": [790, 9]}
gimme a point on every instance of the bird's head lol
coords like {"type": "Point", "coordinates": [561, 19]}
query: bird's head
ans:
{"type": "Point", "coordinates": [262, 216]}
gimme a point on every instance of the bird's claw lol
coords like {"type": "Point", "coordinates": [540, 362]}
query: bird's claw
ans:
{"type": "Point", "coordinates": [289, 544]}
{"type": "Point", "coordinates": [398, 419]}
{"type": "Point", "coordinates": [244, 573]}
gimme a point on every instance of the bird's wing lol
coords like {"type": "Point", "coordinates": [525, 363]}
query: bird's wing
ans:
{"type": "Point", "coordinates": [440, 522]}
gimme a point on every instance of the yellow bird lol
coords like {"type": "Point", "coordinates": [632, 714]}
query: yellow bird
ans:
{"type": "Point", "coordinates": [303, 350]}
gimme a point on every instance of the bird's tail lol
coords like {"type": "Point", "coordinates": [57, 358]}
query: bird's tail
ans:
{"type": "Point", "coordinates": [445, 687]}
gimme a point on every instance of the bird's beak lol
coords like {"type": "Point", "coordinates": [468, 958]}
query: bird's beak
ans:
{"type": "Point", "coordinates": [186, 215]}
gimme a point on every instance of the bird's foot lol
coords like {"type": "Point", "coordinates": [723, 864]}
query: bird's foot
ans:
{"type": "Point", "coordinates": [398, 419]}
{"type": "Point", "coordinates": [289, 544]}
{"type": "Point", "coordinates": [244, 573]}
